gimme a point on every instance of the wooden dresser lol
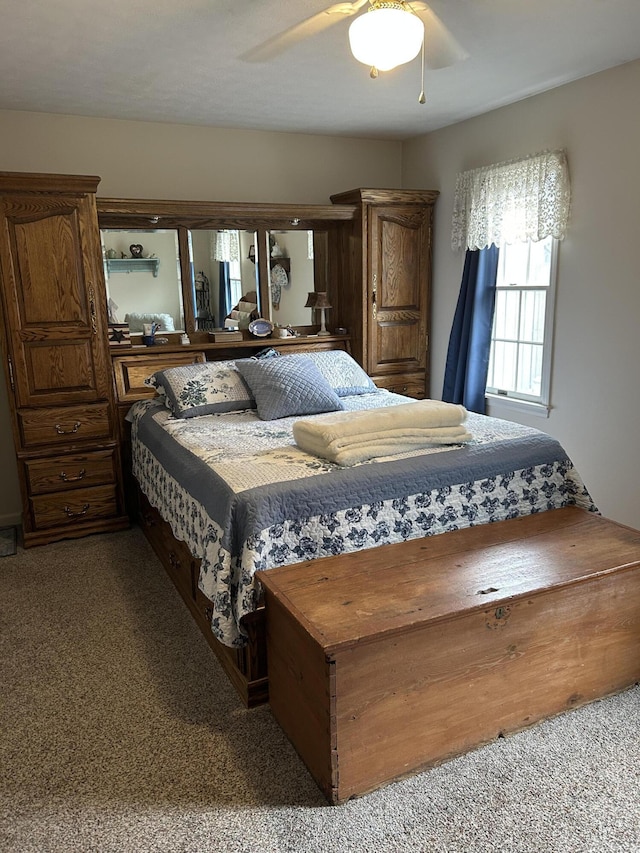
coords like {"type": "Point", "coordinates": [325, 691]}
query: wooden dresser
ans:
{"type": "Point", "coordinates": [56, 359]}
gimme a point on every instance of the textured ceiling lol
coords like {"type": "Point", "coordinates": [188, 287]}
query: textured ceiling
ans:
{"type": "Point", "coordinates": [180, 61]}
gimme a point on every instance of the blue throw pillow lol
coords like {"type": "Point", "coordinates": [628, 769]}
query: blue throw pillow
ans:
{"type": "Point", "coordinates": [283, 387]}
{"type": "Point", "coordinates": [342, 372]}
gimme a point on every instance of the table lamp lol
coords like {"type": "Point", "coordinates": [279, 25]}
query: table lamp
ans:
{"type": "Point", "coordinates": [321, 303]}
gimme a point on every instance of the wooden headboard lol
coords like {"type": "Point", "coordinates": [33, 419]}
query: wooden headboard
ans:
{"type": "Point", "coordinates": [132, 365]}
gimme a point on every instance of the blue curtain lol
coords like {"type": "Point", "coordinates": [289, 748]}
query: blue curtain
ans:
{"type": "Point", "coordinates": [465, 376]}
{"type": "Point", "coordinates": [224, 292]}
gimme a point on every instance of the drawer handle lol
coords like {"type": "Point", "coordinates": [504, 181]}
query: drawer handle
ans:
{"type": "Point", "coordinates": [208, 613]}
{"type": "Point", "coordinates": [148, 519]}
{"type": "Point", "coordinates": [71, 514]}
{"type": "Point", "coordinates": [175, 562]}
{"type": "Point", "coordinates": [67, 479]}
{"type": "Point", "coordinates": [62, 431]}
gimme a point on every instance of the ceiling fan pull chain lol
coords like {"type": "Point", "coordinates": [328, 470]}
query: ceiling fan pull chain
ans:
{"type": "Point", "coordinates": [421, 97]}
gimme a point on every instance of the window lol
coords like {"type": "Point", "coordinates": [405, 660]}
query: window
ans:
{"type": "Point", "coordinates": [235, 281]}
{"type": "Point", "coordinates": [521, 339]}
{"type": "Point", "coordinates": [520, 207]}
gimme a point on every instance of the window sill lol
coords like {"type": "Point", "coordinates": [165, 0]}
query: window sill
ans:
{"type": "Point", "coordinates": [498, 406]}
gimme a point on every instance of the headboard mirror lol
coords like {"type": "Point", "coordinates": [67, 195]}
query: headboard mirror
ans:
{"type": "Point", "coordinates": [297, 265]}
{"type": "Point", "coordinates": [143, 278]}
{"type": "Point", "coordinates": [224, 267]}
{"type": "Point", "coordinates": [194, 253]}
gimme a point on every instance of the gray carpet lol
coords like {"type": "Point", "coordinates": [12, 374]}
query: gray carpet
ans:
{"type": "Point", "coordinates": [121, 733]}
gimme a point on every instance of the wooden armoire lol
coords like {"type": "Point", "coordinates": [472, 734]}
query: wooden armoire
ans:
{"type": "Point", "coordinates": [56, 358]}
{"type": "Point", "coordinates": [384, 300]}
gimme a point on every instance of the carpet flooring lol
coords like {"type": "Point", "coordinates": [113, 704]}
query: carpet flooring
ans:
{"type": "Point", "coordinates": [121, 733]}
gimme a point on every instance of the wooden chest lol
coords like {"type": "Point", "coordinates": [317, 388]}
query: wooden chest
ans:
{"type": "Point", "coordinates": [386, 661]}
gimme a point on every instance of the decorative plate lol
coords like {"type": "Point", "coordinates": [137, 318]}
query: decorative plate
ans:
{"type": "Point", "coordinates": [261, 328]}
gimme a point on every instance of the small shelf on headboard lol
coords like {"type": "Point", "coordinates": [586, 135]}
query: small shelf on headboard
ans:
{"type": "Point", "coordinates": [134, 265]}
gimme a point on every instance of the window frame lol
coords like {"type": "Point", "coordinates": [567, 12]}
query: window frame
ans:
{"type": "Point", "coordinates": [523, 403]}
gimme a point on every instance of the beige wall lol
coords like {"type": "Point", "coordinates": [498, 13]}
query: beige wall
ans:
{"type": "Point", "coordinates": [145, 160]}
{"type": "Point", "coordinates": [595, 381]}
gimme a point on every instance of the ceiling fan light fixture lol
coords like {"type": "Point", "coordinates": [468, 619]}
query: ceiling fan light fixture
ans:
{"type": "Point", "coordinates": [389, 34]}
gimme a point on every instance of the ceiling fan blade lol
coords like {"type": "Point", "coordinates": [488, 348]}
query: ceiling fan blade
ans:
{"type": "Point", "coordinates": [305, 29]}
{"type": "Point", "coordinates": [441, 48]}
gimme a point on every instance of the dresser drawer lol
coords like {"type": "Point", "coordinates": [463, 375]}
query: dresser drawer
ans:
{"type": "Point", "coordinates": [74, 507]}
{"type": "Point", "coordinates": [62, 425]}
{"type": "Point", "coordinates": [76, 471]}
{"type": "Point", "coordinates": [174, 554]}
{"type": "Point", "coordinates": [412, 385]}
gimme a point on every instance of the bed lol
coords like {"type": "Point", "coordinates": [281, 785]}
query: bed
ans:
{"type": "Point", "coordinates": [236, 490]}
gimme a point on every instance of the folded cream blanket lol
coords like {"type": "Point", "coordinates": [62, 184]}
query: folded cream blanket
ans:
{"type": "Point", "coordinates": [350, 437]}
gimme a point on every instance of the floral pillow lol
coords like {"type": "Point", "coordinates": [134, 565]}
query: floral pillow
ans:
{"type": "Point", "coordinates": [286, 386]}
{"type": "Point", "coordinates": [202, 389]}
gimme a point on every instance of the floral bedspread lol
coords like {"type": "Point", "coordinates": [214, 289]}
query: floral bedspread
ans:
{"type": "Point", "coordinates": [244, 497]}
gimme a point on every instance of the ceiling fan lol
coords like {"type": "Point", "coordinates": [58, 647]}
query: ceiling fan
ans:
{"type": "Point", "coordinates": [409, 26]}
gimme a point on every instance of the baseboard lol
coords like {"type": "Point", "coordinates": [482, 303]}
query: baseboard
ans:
{"type": "Point", "coordinates": [11, 519]}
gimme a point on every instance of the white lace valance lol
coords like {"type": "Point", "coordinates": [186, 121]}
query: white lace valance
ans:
{"type": "Point", "coordinates": [226, 246]}
{"type": "Point", "coordinates": [515, 201]}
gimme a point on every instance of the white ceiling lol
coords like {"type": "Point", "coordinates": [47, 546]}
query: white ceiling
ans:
{"type": "Point", "coordinates": [179, 61]}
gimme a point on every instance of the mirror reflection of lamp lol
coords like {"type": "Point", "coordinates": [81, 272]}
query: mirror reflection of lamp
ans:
{"type": "Point", "coordinates": [319, 300]}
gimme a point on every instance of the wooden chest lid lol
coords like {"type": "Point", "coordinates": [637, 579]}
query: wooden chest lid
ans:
{"type": "Point", "coordinates": [362, 596]}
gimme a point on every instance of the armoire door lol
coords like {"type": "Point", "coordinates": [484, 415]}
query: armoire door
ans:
{"type": "Point", "coordinates": [50, 275]}
{"type": "Point", "coordinates": [398, 288]}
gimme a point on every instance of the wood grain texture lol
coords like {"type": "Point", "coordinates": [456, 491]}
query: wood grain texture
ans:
{"type": "Point", "coordinates": [56, 426]}
{"type": "Point", "coordinates": [54, 339]}
{"type": "Point", "coordinates": [131, 370]}
{"type": "Point", "coordinates": [400, 269]}
{"type": "Point", "coordinates": [384, 298]}
{"type": "Point", "coordinates": [367, 594]}
{"type": "Point", "coordinates": [72, 471]}
{"type": "Point", "coordinates": [448, 687]}
{"type": "Point", "coordinates": [410, 384]}
{"type": "Point", "coordinates": [300, 679]}
{"type": "Point", "coordinates": [438, 645]}
{"type": "Point", "coordinates": [74, 507]}
{"type": "Point", "coordinates": [54, 298]}
{"type": "Point", "coordinates": [217, 214]}
{"type": "Point", "coordinates": [40, 182]}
